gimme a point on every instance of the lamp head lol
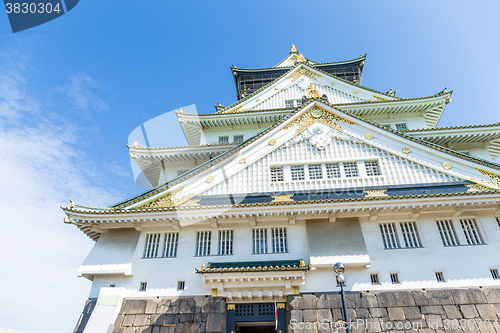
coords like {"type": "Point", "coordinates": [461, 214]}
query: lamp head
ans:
{"type": "Point", "coordinates": [339, 268]}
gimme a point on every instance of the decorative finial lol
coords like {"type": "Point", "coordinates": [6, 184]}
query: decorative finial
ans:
{"type": "Point", "coordinates": [180, 110]}
{"type": "Point", "coordinates": [312, 92]}
{"type": "Point", "coordinates": [72, 203]}
{"type": "Point", "coordinates": [135, 144]}
{"type": "Point", "coordinates": [391, 92]}
{"type": "Point", "coordinates": [203, 267]}
{"type": "Point", "coordinates": [445, 90]}
{"type": "Point", "coordinates": [293, 49]}
{"type": "Point", "coordinates": [301, 58]}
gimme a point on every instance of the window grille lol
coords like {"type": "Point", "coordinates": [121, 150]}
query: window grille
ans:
{"type": "Point", "coordinates": [297, 172]}
{"type": "Point", "coordinates": [203, 243]}
{"type": "Point", "coordinates": [244, 309]}
{"type": "Point", "coordinates": [440, 277]}
{"type": "Point", "coordinates": [113, 285]}
{"type": "Point", "coordinates": [410, 234]}
{"type": "Point", "coordinates": [447, 233]}
{"type": "Point", "coordinates": [374, 278]}
{"type": "Point", "coordinates": [289, 104]}
{"type": "Point", "coordinates": [181, 285]}
{"type": "Point", "coordinates": [265, 309]}
{"type": "Point", "coordinates": [277, 174]}
{"type": "Point", "coordinates": [333, 170]}
{"type": "Point", "coordinates": [315, 171]}
{"type": "Point", "coordinates": [259, 241]}
{"type": "Point", "coordinates": [471, 232]}
{"type": "Point", "coordinates": [238, 138]}
{"type": "Point", "coordinates": [389, 235]}
{"type": "Point", "coordinates": [395, 278]}
{"type": "Point", "coordinates": [225, 242]}
{"type": "Point", "coordinates": [351, 169]}
{"type": "Point", "coordinates": [152, 245]}
{"type": "Point", "coordinates": [401, 127]}
{"type": "Point", "coordinates": [143, 286]}
{"type": "Point", "coordinates": [170, 245]}
{"type": "Point", "coordinates": [223, 139]}
{"type": "Point", "coordinates": [372, 168]}
{"type": "Point", "coordinates": [279, 240]}
{"type": "Point", "coordinates": [494, 273]}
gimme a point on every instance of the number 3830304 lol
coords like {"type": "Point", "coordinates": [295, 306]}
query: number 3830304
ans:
{"type": "Point", "coordinates": [24, 8]}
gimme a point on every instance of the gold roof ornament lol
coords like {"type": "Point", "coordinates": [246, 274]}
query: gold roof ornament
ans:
{"type": "Point", "coordinates": [293, 49]}
{"type": "Point", "coordinates": [72, 203]}
{"type": "Point", "coordinates": [301, 58]}
{"type": "Point", "coordinates": [312, 92]}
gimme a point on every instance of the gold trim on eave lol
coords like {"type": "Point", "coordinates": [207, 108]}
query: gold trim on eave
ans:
{"type": "Point", "coordinates": [493, 183]}
{"type": "Point", "coordinates": [317, 114]}
{"type": "Point", "coordinates": [167, 200]}
{"type": "Point", "coordinates": [282, 197]}
{"type": "Point", "coordinates": [375, 193]}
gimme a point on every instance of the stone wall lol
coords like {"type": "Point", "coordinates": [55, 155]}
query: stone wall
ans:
{"type": "Point", "coordinates": [195, 314]}
{"type": "Point", "coordinates": [444, 310]}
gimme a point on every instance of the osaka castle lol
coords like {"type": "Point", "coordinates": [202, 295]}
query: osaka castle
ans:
{"type": "Point", "coordinates": [241, 228]}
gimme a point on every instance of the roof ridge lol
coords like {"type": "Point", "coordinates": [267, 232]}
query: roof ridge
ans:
{"type": "Point", "coordinates": [451, 127]}
{"type": "Point", "coordinates": [141, 147]}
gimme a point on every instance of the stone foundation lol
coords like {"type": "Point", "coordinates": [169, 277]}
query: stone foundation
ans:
{"type": "Point", "coordinates": [195, 314]}
{"type": "Point", "coordinates": [444, 310]}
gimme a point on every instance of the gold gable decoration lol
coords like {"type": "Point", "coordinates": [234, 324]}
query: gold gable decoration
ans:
{"type": "Point", "coordinates": [375, 193]}
{"type": "Point", "coordinates": [170, 200]}
{"type": "Point", "coordinates": [313, 92]}
{"type": "Point", "coordinates": [493, 183]}
{"type": "Point", "coordinates": [282, 197]}
{"type": "Point", "coordinates": [476, 188]}
{"type": "Point", "coordinates": [314, 115]}
{"type": "Point", "coordinates": [305, 72]}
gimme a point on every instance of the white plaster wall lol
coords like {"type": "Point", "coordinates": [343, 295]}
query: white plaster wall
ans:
{"type": "Point", "coordinates": [413, 121]}
{"type": "Point", "coordinates": [212, 135]}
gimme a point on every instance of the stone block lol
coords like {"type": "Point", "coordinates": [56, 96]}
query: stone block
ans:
{"type": "Point", "coordinates": [214, 305]}
{"type": "Point", "coordinates": [167, 329]}
{"type": "Point", "coordinates": [432, 309]}
{"type": "Point", "coordinates": [418, 323]}
{"type": "Point", "coordinates": [128, 320]}
{"type": "Point", "coordinates": [469, 296]}
{"type": "Point", "coordinates": [362, 313]}
{"type": "Point", "coordinates": [426, 330]}
{"type": "Point", "coordinates": [497, 310]}
{"type": "Point", "coordinates": [492, 295]}
{"type": "Point", "coordinates": [434, 321]}
{"type": "Point", "coordinates": [361, 300]}
{"type": "Point", "coordinates": [156, 329]}
{"type": "Point", "coordinates": [200, 317]}
{"type": "Point", "coordinates": [295, 302]}
{"type": "Point", "coordinates": [140, 320]}
{"type": "Point", "coordinates": [386, 324]}
{"type": "Point", "coordinates": [197, 327]}
{"type": "Point", "coordinates": [155, 319]}
{"type": "Point", "coordinates": [351, 313]}
{"type": "Point", "coordinates": [296, 315]}
{"type": "Point", "coordinates": [378, 312]}
{"type": "Point", "coordinates": [133, 306]}
{"type": "Point", "coordinates": [201, 300]}
{"type": "Point", "coordinates": [334, 300]}
{"type": "Point", "coordinates": [216, 322]}
{"type": "Point", "coordinates": [309, 302]}
{"type": "Point", "coordinates": [309, 315]}
{"type": "Point", "coordinates": [486, 311]}
{"type": "Point", "coordinates": [395, 298]}
{"type": "Point", "coordinates": [337, 315]}
{"type": "Point", "coordinates": [433, 297]}
{"type": "Point", "coordinates": [186, 317]}
{"type": "Point", "coordinates": [395, 313]}
{"type": "Point", "coordinates": [144, 329]}
{"type": "Point", "coordinates": [324, 315]}
{"type": "Point", "coordinates": [373, 325]}
{"type": "Point", "coordinates": [181, 328]}
{"type": "Point", "coordinates": [187, 305]}
{"type": "Point", "coordinates": [487, 328]}
{"type": "Point", "coordinates": [469, 311]}
{"type": "Point", "coordinates": [452, 312]}
{"type": "Point", "coordinates": [469, 326]}
{"type": "Point", "coordinates": [118, 323]}
{"type": "Point", "coordinates": [412, 312]}
{"type": "Point", "coordinates": [452, 330]}
{"type": "Point", "coordinates": [151, 307]}
{"type": "Point", "coordinates": [129, 330]}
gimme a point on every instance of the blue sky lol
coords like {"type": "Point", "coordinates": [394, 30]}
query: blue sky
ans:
{"type": "Point", "coordinates": [73, 89]}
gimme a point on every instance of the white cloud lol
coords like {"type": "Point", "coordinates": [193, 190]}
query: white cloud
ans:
{"type": "Point", "coordinates": [40, 169]}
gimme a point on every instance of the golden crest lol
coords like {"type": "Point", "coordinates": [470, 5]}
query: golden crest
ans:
{"type": "Point", "coordinates": [316, 113]}
{"type": "Point", "coordinates": [210, 179]}
{"type": "Point", "coordinates": [311, 117]}
{"type": "Point", "coordinates": [272, 142]}
{"type": "Point", "coordinates": [447, 165]}
{"type": "Point", "coordinates": [165, 201]}
{"type": "Point", "coordinates": [406, 150]}
{"type": "Point", "coordinates": [301, 58]}
{"type": "Point", "coordinates": [369, 135]}
{"type": "Point", "coordinates": [313, 92]}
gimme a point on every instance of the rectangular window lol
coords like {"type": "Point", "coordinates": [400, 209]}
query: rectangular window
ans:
{"type": "Point", "coordinates": [143, 286]}
{"type": "Point", "coordinates": [389, 235]}
{"type": "Point", "coordinates": [372, 168]}
{"type": "Point", "coordinates": [374, 278]}
{"type": "Point", "coordinates": [333, 170]}
{"type": "Point", "coordinates": [238, 138]}
{"type": "Point", "coordinates": [181, 285]}
{"type": "Point", "coordinates": [494, 273]}
{"type": "Point", "coordinates": [289, 104]}
{"type": "Point", "coordinates": [112, 285]}
{"type": "Point", "coordinates": [223, 139]}
{"type": "Point", "coordinates": [315, 171]}
{"type": "Point", "coordinates": [277, 174]}
{"type": "Point", "coordinates": [170, 245]}
{"type": "Point", "coordinates": [351, 169]}
{"type": "Point", "coordinates": [297, 172]}
{"type": "Point", "coordinates": [279, 240]}
{"type": "Point", "coordinates": [395, 278]}
{"type": "Point", "coordinates": [259, 241]}
{"type": "Point", "coordinates": [410, 234]}
{"type": "Point", "coordinates": [471, 232]}
{"type": "Point", "coordinates": [225, 242]}
{"type": "Point", "coordinates": [447, 232]}
{"type": "Point", "coordinates": [401, 127]}
{"type": "Point", "coordinates": [440, 277]}
{"type": "Point", "coordinates": [203, 241]}
{"type": "Point", "coordinates": [152, 245]}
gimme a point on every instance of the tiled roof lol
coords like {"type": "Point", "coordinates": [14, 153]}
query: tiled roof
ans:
{"type": "Point", "coordinates": [254, 266]}
{"type": "Point", "coordinates": [451, 128]}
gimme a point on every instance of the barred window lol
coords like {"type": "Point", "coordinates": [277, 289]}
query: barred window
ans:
{"type": "Point", "coordinates": [259, 241]}
{"type": "Point", "coordinates": [447, 233]}
{"type": "Point", "coordinates": [152, 245]}
{"type": "Point", "coordinates": [238, 138]}
{"type": "Point", "coordinates": [203, 241]}
{"type": "Point", "coordinates": [277, 174]}
{"type": "Point", "coordinates": [143, 286]}
{"type": "Point", "coordinates": [225, 242]}
{"type": "Point", "coordinates": [333, 170]}
{"type": "Point", "coordinates": [401, 127]}
{"type": "Point", "coordinates": [372, 168]}
{"type": "Point", "coordinates": [315, 171]}
{"type": "Point", "coordinates": [297, 172]}
{"type": "Point", "coordinates": [279, 240]}
{"type": "Point", "coordinates": [395, 278]}
{"type": "Point", "coordinates": [494, 273]}
{"type": "Point", "coordinates": [223, 139]}
{"type": "Point", "coordinates": [170, 244]}
{"type": "Point", "coordinates": [440, 277]}
{"type": "Point", "coordinates": [389, 235]}
{"type": "Point", "coordinates": [351, 169]}
{"type": "Point", "coordinates": [471, 232]}
{"type": "Point", "coordinates": [374, 278]}
{"type": "Point", "coordinates": [181, 285]}
{"type": "Point", "coordinates": [289, 104]}
{"type": "Point", "coordinates": [410, 234]}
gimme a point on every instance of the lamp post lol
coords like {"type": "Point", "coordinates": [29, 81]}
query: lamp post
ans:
{"type": "Point", "coordinates": [339, 270]}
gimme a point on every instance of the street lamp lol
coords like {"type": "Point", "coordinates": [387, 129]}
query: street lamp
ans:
{"type": "Point", "coordinates": [339, 270]}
